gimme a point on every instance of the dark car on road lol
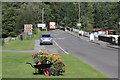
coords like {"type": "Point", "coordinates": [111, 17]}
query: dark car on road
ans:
{"type": "Point", "coordinates": [46, 39]}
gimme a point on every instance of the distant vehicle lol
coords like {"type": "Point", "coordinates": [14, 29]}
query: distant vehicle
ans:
{"type": "Point", "coordinates": [52, 26]}
{"type": "Point", "coordinates": [46, 39]}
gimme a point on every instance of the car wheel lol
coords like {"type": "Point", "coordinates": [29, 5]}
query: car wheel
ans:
{"type": "Point", "coordinates": [40, 43]}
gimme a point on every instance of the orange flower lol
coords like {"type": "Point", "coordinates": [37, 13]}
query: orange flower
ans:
{"type": "Point", "coordinates": [51, 55]}
{"type": "Point", "coordinates": [44, 51]}
{"type": "Point", "coordinates": [39, 63]}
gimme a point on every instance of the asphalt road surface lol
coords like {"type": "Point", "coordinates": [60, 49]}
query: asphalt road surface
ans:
{"type": "Point", "coordinates": [101, 58]}
{"type": "Point", "coordinates": [50, 48]}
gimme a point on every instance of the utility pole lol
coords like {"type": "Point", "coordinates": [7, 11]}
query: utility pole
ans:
{"type": "Point", "coordinates": [79, 11]}
{"type": "Point", "coordinates": [42, 15]}
{"type": "Point", "coordinates": [119, 22]}
{"type": "Point", "coordinates": [118, 25]}
{"type": "Point", "coordinates": [78, 24]}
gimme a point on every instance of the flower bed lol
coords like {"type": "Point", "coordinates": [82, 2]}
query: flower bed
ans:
{"type": "Point", "coordinates": [49, 64]}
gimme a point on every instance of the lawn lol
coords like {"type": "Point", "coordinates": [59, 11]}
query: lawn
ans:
{"type": "Point", "coordinates": [14, 66]}
{"type": "Point", "coordinates": [0, 47]}
{"type": "Point", "coordinates": [19, 45]}
{"type": "Point", "coordinates": [22, 44]}
{"type": "Point", "coordinates": [0, 43]}
{"type": "Point", "coordinates": [0, 65]}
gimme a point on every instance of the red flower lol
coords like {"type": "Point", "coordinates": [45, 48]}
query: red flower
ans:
{"type": "Point", "coordinates": [35, 55]}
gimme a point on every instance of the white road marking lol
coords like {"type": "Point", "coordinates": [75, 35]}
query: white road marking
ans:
{"type": "Point", "coordinates": [59, 38]}
{"type": "Point", "coordinates": [55, 34]}
{"type": "Point", "coordinates": [60, 47]}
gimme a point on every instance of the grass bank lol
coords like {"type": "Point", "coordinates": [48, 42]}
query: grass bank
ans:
{"type": "Point", "coordinates": [14, 66]}
{"type": "Point", "coordinates": [22, 44]}
{"type": "Point", "coordinates": [19, 45]}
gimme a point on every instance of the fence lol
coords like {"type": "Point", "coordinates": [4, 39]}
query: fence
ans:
{"type": "Point", "coordinates": [0, 41]}
{"type": "Point", "coordinates": [119, 41]}
{"type": "Point", "coordinates": [115, 38]}
{"type": "Point", "coordinates": [107, 39]}
{"type": "Point", "coordinates": [6, 40]}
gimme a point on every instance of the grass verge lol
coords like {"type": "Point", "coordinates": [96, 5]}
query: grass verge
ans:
{"type": "Point", "coordinates": [0, 47]}
{"type": "Point", "coordinates": [14, 66]}
{"type": "Point", "coordinates": [19, 45]}
{"type": "Point", "coordinates": [22, 45]}
{"type": "Point", "coordinates": [0, 58]}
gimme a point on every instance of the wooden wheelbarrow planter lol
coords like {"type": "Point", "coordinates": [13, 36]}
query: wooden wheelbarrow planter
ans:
{"type": "Point", "coordinates": [45, 69]}
{"type": "Point", "coordinates": [41, 68]}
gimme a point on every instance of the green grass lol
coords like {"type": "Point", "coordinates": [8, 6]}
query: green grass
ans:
{"type": "Point", "coordinates": [37, 36]}
{"type": "Point", "coordinates": [19, 45]}
{"type": "Point", "coordinates": [0, 65]}
{"type": "Point", "coordinates": [0, 47]}
{"type": "Point", "coordinates": [14, 66]}
{"type": "Point", "coordinates": [22, 45]}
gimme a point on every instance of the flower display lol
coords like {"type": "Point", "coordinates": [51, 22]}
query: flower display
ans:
{"type": "Point", "coordinates": [49, 62]}
{"type": "Point", "coordinates": [45, 58]}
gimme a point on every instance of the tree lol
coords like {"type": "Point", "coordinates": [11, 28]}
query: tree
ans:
{"type": "Point", "coordinates": [87, 20]}
{"type": "Point", "coordinates": [92, 15]}
{"type": "Point", "coordinates": [106, 15]}
{"type": "Point", "coordinates": [8, 22]}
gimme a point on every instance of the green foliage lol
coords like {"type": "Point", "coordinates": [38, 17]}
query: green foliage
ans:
{"type": "Point", "coordinates": [92, 15]}
{"type": "Point", "coordinates": [8, 22]}
{"type": "Point", "coordinates": [106, 15]}
{"type": "Point", "coordinates": [87, 19]}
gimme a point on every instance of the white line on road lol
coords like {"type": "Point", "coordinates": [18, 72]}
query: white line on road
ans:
{"type": "Point", "coordinates": [59, 38]}
{"type": "Point", "coordinates": [60, 47]}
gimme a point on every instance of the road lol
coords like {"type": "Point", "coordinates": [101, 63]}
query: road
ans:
{"type": "Point", "coordinates": [101, 58]}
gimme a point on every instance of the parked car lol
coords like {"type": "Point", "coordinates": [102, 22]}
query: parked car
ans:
{"type": "Point", "coordinates": [46, 39]}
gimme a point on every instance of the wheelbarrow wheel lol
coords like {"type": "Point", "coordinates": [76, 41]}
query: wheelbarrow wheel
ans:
{"type": "Point", "coordinates": [47, 72]}
{"type": "Point", "coordinates": [56, 73]}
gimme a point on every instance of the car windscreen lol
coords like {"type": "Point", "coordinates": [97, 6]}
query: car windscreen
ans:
{"type": "Point", "coordinates": [46, 36]}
